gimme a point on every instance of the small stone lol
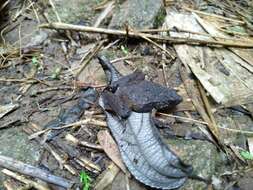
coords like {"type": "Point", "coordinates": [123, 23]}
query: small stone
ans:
{"type": "Point", "coordinates": [139, 14]}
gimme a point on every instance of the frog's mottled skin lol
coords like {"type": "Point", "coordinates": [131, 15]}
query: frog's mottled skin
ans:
{"type": "Point", "coordinates": [133, 92]}
{"type": "Point", "coordinates": [145, 96]}
{"type": "Point", "coordinates": [144, 153]}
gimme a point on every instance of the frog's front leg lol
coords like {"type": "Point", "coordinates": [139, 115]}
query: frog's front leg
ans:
{"type": "Point", "coordinates": [114, 105]}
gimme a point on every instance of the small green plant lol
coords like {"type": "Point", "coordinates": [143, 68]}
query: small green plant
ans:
{"type": "Point", "coordinates": [124, 49]}
{"type": "Point", "coordinates": [85, 180]}
{"type": "Point", "coordinates": [246, 155]}
{"type": "Point", "coordinates": [36, 64]}
{"type": "Point", "coordinates": [56, 73]}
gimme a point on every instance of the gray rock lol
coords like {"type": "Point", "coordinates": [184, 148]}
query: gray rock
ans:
{"type": "Point", "coordinates": [139, 14]}
{"type": "Point", "coordinates": [38, 38]}
{"type": "Point", "coordinates": [202, 155]}
{"type": "Point", "coordinates": [15, 144]}
{"type": "Point", "coordinates": [73, 11]}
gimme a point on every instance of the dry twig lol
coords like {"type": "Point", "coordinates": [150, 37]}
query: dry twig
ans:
{"type": "Point", "coordinates": [214, 15]}
{"type": "Point", "coordinates": [75, 124]}
{"type": "Point", "coordinates": [104, 14]}
{"type": "Point", "coordinates": [92, 54]}
{"type": "Point", "coordinates": [74, 140]}
{"type": "Point", "coordinates": [24, 180]}
{"type": "Point", "coordinates": [170, 40]}
{"type": "Point", "coordinates": [15, 165]}
{"type": "Point", "coordinates": [183, 118]}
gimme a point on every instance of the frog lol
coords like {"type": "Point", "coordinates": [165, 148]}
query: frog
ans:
{"type": "Point", "coordinates": [129, 119]}
{"type": "Point", "coordinates": [133, 93]}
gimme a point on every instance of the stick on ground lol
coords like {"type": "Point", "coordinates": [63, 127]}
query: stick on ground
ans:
{"type": "Point", "coordinates": [167, 39]}
{"type": "Point", "coordinates": [26, 169]}
{"type": "Point", "coordinates": [24, 180]}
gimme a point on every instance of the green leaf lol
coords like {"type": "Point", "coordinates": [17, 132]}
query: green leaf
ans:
{"type": "Point", "coordinates": [35, 61]}
{"type": "Point", "coordinates": [85, 180]}
{"type": "Point", "coordinates": [124, 49]}
{"type": "Point", "coordinates": [246, 155]}
{"type": "Point", "coordinates": [56, 73]}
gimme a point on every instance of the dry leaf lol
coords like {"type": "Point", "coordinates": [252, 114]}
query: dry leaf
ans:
{"type": "Point", "coordinates": [111, 149]}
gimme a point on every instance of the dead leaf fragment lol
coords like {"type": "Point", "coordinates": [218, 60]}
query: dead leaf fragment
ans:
{"type": "Point", "coordinates": [111, 149]}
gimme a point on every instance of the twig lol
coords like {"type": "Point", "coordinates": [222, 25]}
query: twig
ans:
{"type": "Point", "coordinates": [125, 58]}
{"type": "Point", "coordinates": [54, 10]}
{"type": "Point", "coordinates": [83, 84]}
{"type": "Point", "coordinates": [178, 30]}
{"type": "Point", "coordinates": [237, 130]}
{"type": "Point", "coordinates": [53, 89]}
{"type": "Point", "coordinates": [183, 118]}
{"type": "Point", "coordinates": [37, 134]}
{"type": "Point", "coordinates": [101, 5]}
{"type": "Point", "coordinates": [171, 40]}
{"type": "Point", "coordinates": [93, 53]}
{"type": "Point", "coordinates": [75, 124]}
{"type": "Point", "coordinates": [89, 163]}
{"type": "Point", "coordinates": [104, 14]}
{"type": "Point", "coordinates": [61, 162]}
{"type": "Point", "coordinates": [4, 5]}
{"type": "Point", "coordinates": [155, 44]}
{"type": "Point", "coordinates": [21, 80]}
{"type": "Point", "coordinates": [83, 122]}
{"type": "Point", "coordinates": [20, 40]}
{"type": "Point", "coordinates": [111, 44]}
{"type": "Point", "coordinates": [10, 123]}
{"type": "Point", "coordinates": [24, 180]}
{"type": "Point", "coordinates": [15, 165]}
{"type": "Point", "coordinates": [213, 15]}
{"type": "Point", "coordinates": [74, 140]}
{"type": "Point", "coordinates": [21, 11]}
{"type": "Point", "coordinates": [35, 12]}
{"type": "Point", "coordinates": [165, 75]}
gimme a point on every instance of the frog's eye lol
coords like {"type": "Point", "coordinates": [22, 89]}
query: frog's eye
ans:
{"type": "Point", "coordinates": [113, 88]}
{"type": "Point", "coordinates": [109, 88]}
